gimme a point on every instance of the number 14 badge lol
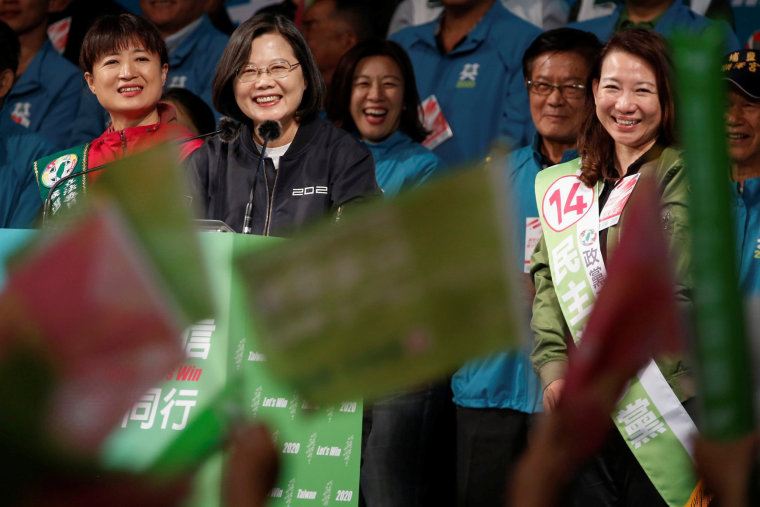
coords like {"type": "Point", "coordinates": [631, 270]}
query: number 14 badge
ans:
{"type": "Point", "coordinates": [565, 202]}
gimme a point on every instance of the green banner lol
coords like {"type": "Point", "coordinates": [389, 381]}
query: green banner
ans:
{"type": "Point", "coordinates": [225, 378]}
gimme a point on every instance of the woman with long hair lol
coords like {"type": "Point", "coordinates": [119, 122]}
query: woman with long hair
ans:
{"type": "Point", "coordinates": [628, 131]}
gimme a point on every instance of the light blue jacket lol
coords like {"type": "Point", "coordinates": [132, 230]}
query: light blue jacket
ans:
{"type": "Point", "coordinates": [479, 84]}
{"type": "Point", "coordinates": [193, 63]}
{"type": "Point", "coordinates": [19, 196]}
{"type": "Point", "coordinates": [747, 213]}
{"type": "Point", "coordinates": [678, 15]}
{"type": "Point", "coordinates": [46, 99]}
{"type": "Point", "coordinates": [401, 164]}
{"type": "Point", "coordinates": [507, 380]}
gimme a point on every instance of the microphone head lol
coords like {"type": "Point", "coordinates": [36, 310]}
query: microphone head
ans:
{"type": "Point", "coordinates": [229, 129]}
{"type": "Point", "coordinates": [270, 129]}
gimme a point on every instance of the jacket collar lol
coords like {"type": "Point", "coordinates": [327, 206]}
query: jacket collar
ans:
{"type": "Point", "coordinates": [428, 34]}
{"type": "Point", "coordinates": [189, 42]}
{"type": "Point", "coordinates": [306, 131]}
{"type": "Point", "coordinates": [542, 161]}
{"type": "Point", "coordinates": [32, 77]}
{"type": "Point", "coordinates": [166, 114]}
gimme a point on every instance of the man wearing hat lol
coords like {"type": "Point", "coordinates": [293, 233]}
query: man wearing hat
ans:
{"type": "Point", "coordinates": [742, 71]}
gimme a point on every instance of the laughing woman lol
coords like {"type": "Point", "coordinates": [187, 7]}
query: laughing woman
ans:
{"type": "Point", "coordinates": [374, 96]}
{"type": "Point", "coordinates": [125, 62]}
{"type": "Point", "coordinates": [311, 170]}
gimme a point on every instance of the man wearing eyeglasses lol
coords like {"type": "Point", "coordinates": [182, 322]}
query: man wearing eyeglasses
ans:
{"type": "Point", "coordinates": [496, 397]}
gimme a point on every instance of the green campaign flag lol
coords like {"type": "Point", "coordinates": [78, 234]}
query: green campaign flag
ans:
{"type": "Point", "coordinates": [150, 192]}
{"type": "Point", "coordinates": [392, 296]}
{"type": "Point", "coordinates": [722, 353]}
{"type": "Point", "coordinates": [224, 379]}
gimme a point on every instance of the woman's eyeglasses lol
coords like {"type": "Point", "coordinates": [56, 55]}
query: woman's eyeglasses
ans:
{"type": "Point", "coordinates": [276, 70]}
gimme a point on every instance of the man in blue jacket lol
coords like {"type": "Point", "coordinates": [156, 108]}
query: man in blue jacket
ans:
{"type": "Point", "coordinates": [48, 90]}
{"type": "Point", "coordinates": [467, 65]}
{"type": "Point", "coordinates": [195, 46]}
{"type": "Point", "coordinates": [662, 16]}
{"type": "Point", "coordinates": [19, 148]}
{"type": "Point", "coordinates": [495, 397]}
{"type": "Point", "coordinates": [742, 72]}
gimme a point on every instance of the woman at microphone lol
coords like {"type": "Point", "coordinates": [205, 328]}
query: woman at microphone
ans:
{"type": "Point", "coordinates": [268, 81]}
{"type": "Point", "coordinates": [125, 61]}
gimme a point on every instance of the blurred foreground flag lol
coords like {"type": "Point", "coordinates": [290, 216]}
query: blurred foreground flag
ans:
{"type": "Point", "coordinates": [150, 192]}
{"type": "Point", "coordinates": [88, 312]}
{"type": "Point", "coordinates": [393, 296]}
{"type": "Point", "coordinates": [634, 319]}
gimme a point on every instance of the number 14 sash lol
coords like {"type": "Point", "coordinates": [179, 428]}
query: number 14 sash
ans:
{"type": "Point", "coordinates": [649, 416]}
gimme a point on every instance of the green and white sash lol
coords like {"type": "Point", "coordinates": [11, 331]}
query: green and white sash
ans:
{"type": "Point", "coordinates": [49, 170]}
{"type": "Point", "coordinates": [649, 416]}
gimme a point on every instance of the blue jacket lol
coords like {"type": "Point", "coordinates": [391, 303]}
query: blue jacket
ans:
{"type": "Point", "coordinates": [19, 196]}
{"type": "Point", "coordinates": [747, 213]}
{"type": "Point", "coordinates": [479, 84]}
{"type": "Point", "coordinates": [46, 99]}
{"type": "Point", "coordinates": [677, 15]}
{"type": "Point", "coordinates": [521, 170]}
{"type": "Point", "coordinates": [400, 163]}
{"type": "Point", "coordinates": [193, 63]}
{"type": "Point", "coordinates": [507, 380]}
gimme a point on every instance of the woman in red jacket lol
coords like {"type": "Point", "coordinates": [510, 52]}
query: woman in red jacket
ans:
{"type": "Point", "coordinates": [125, 61]}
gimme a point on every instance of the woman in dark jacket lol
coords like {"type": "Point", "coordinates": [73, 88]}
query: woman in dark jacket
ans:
{"type": "Point", "coordinates": [311, 169]}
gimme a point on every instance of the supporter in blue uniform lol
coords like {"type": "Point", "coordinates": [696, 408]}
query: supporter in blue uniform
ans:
{"type": "Point", "coordinates": [374, 96]}
{"type": "Point", "coordinates": [195, 46]}
{"type": "Point", "coordinates": [743, 132]}
{"type": "Point", "coordinates": [496, 396]}
{"type": "Point", "coordinates": [332, 27]}
{"type": "Point", "coordinates": [663, 17]}
{"type": "Point", "coordinates": [48, 89]}
{"type": "Point", "coordinates": [19, 148]}
{"type": "Point", "coordinates": [469, 61]}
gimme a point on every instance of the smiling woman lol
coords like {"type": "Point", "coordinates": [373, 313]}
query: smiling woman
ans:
{"type": "Point", "coordinates": [125, 62]}
{"type": "Point", "coordinates": [374, 96]}
{"type": "Point", "coordinates": [310, 170]}
{"type": "Point", "coordinates": [627, 132]}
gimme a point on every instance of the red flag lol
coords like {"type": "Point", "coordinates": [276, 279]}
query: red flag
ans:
{"type": "Point", "coordinates": [634, 319]}
{"type": "Point", "coordinates": [89, 310]}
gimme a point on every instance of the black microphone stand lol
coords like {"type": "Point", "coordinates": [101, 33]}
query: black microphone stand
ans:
{"type": "Point", "coordinates": [249, 206]}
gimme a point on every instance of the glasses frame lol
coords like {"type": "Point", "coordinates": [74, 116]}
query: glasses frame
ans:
{"type": "Point", "coordinates": [265, 70]}
{"type": "Point", "coordinates": [562, 89]}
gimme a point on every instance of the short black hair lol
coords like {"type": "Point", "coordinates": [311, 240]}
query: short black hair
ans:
{"type": "Point", "coordinates": [339, 96]}
{"type": "Point", "coordinates": [562, 40]}
{"type": "Point", "coordinates": [10, 54]}
{"type": "Point", "coordinates": [357, 14]}
{"type": "Point", "coordinates": [236, 55]}
{"type": "Point", "coordinates": [198, 111]}
{"type": "Point", "coordinates": [113, 32]}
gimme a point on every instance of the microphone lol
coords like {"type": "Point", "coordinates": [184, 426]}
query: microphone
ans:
{"type": "Point", "coordinates": [228, 131]}
{"type": "Point", "coordinates": [270, 130]}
